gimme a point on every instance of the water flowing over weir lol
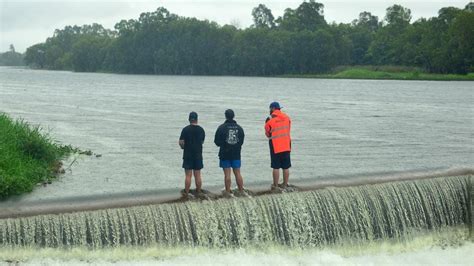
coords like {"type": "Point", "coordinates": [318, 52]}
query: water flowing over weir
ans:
{"type": "Point", "coordinates": [313, 218]}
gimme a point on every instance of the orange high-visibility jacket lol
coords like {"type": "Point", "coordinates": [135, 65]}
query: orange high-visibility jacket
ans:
{"type": "Point", "coordinates": [277, 130]}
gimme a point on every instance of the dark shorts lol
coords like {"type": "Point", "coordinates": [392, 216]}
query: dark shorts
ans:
{"type": "Point", "coordinates": [235, 164]}
{"type": "Point", "coordinates": [281, 160]}
{"type": "Point", "coordinates": [192, 164]}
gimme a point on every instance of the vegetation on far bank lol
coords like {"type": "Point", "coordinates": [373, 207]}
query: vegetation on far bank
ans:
{"type": "Point", "coordinates": [28, 156]}
{"type": "Point", "coordinates": [385, 72]}
{"type": "Point", "coordinates": [11, 58]}
{"type": "Point", "coordinates": [298, 42]}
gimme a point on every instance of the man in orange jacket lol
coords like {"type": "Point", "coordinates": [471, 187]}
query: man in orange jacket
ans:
{"type": "Point", "coordinates": [277, 129]}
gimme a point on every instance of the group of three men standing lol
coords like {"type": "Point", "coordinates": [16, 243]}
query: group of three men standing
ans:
{"type": "Point", "coordinates": [229, 138]}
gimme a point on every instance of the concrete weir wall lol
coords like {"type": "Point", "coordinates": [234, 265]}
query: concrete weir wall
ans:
{"type": "Point", "coordinates": [369, 210]}
{"type": "Point", "coordinates": [15, 209]}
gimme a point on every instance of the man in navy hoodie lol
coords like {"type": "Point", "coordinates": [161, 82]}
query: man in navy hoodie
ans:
{"type": "Point", "coordinates": [230, 138]}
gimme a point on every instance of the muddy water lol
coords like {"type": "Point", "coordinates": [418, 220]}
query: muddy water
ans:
{"type": "Point", "coordinates": [340, 127]}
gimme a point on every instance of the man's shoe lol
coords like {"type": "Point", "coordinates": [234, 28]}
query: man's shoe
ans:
{"type": "Point", "coordinates": [276, 189]}
{"type": "Point", "coordinates": [227, 195]}
{"type": "Point", "coordinates": [245, 194]}
{"type": "Point", "coordinates": [202, 195]}
{"type": "Point", "coordinates": [187, 196]}
{"type": "Point", "coordinates": [242, 194]}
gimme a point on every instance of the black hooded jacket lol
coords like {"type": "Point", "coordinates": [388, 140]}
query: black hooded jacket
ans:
{"type": "Point", "coordinates": [230, 138]}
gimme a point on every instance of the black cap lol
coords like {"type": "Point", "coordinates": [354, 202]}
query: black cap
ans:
{"type": "Point", "coordinates": [193, 116]}
{"type": "Point", "coordinates": [229, 114]}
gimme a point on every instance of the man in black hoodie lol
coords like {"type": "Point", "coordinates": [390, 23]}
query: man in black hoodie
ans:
{"type": "Point", "coordinates": [230, 138]}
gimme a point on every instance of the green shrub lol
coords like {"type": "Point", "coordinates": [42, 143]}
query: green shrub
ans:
{"type": "Point", "coordinates": [28, 156]}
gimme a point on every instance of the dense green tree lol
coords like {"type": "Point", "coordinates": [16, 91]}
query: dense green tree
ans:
{"type": "Point", "coordinates": [470, 7]}
{"type": "Point", "coordinates": [308, 16]}
{"type": "Point", "coordinates": [89, 53]}
{"type": "Point", "coordinates": [461, 43]}
{"type": "Point", "coordinates": [388, 43]}
{"type": "Point", "coordinates": [314, 52]}
{"type": "Point", "coordinates": [298, 42]}
{"type": "Point", "coordinates": [251, 55]}
{"type": "Point", "coordinates": [361, 34]}
{"type": "Point", "coordinates": [59, 51]}
{"type": "Point", "coordinates": [398, 15]}
{"type": "Point", "coordinates": [35, 55]}
{"type": "Point", "coordinates": [263, 17]}
{"type": "Point", "coordinates": [367, 21]}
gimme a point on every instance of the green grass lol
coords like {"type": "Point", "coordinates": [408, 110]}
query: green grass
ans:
{"type": "Point", "coordinates": [385, 72]}
{"type": "Point", "coordinates": [28, 156]}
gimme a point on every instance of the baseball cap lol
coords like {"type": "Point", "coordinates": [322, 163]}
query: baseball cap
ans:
{"type": "Point", "coordinates": [193, 116]}
{"type": "Point", "coordinates": [275, 105]}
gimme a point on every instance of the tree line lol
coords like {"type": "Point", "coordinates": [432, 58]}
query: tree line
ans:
{"type": "Point", "coordinates": [11, 57]}
{"type": "Point", "coordinates": [298, 42]}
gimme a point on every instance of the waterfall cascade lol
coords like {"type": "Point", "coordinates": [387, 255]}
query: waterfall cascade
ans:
{"type": "Point", "coordinates": [312, 218]}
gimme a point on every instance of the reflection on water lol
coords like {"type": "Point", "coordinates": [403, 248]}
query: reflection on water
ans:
{"type": "Point", "coordinates": [340, 127]}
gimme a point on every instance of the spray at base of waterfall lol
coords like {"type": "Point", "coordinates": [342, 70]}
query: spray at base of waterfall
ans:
{"type": "Point", "coordinates": [446, 246]}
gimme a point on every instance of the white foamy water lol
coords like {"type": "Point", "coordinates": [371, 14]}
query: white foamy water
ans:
{"type": "Point", "coordinates": [428, 256]}
{"type": "Point", "coordinates": [340, 127]}
{"type": "Point", "coordinates": [449, 247]}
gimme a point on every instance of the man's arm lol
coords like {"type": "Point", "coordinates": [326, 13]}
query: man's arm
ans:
{"type": "Point", "coordinates": [203, 136]}
{"type": "Point", "coordinates": [217, 138]}
{"type": "Point", "coordinates": [267, 128]}
{"type": "Point", "coordinates": [242, 136]}
{"type": "Point", "coordinates": [181, 140]}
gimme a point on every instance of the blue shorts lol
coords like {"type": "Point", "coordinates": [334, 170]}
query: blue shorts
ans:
{"type": "Point", "coordinates": [230, 164]}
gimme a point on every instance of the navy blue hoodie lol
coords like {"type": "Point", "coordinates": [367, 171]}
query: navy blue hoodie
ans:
{"type": "Point", "coordinates": [230, 138]}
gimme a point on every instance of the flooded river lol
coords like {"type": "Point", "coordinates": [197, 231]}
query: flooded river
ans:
{"type": "Point", "coordinates": [340, 127]}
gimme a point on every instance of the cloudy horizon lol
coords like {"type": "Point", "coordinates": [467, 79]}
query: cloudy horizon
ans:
{"type": "Point", "coordinates": [25, 23]}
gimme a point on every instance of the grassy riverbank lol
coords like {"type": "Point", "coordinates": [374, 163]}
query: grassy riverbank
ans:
{"type": "Point", "coordinates": [384, 72]}
{"type": "Point", "coordinates": [28, 156]}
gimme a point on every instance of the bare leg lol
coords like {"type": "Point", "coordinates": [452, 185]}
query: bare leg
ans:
{"type": "Point", "coordinates": [286, 176]}
{"type": "Point", "coordinates": [238, 179]}
{"type": "Point", "coordinates": [197, 180]}
{"type": "Point", "coordinates": [187, 181]}
{"type": "Point", "coordinates": [276, 177]}
{"type": "Point", "coordinates": [227, 180]}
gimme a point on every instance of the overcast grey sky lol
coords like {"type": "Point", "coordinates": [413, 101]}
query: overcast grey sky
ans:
{"type": "Point", "coordinates": [24, 23]}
